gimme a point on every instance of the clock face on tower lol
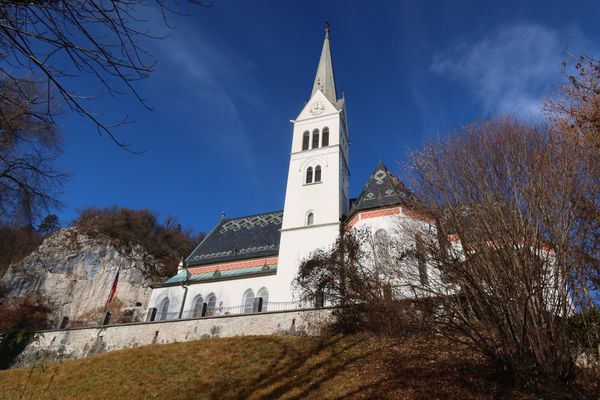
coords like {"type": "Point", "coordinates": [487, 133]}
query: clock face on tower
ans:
{"type": "Point", "coordinates": [316, 108]}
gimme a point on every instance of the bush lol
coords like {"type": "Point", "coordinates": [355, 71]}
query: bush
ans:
{"type": "Point", "coordinates": [16, 244]}
{"type": "Point", "coordinates": [354, 275]}
{"type": "Point", "coordinates": [584, 329]}
{"type": "Point", "coordinates": [167, 243]}
{"type": "Point", "coordinates": [19, 320]}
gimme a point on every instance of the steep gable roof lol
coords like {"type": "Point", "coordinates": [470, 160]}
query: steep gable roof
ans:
{"type": "Point", "coordinates": [240, 238]}
{"type": "Point", "coordinates": [383, 188]}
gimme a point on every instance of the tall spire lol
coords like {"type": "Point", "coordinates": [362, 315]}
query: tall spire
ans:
{"type": "Point", "coordinates": [324, 79]}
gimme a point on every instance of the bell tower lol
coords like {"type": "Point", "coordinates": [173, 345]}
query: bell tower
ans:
{"type": "Point", "coordinates": [316, 198]}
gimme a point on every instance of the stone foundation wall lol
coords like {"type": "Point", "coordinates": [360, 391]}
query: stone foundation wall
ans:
{"type": "Point", "coordinates": [52, 346]}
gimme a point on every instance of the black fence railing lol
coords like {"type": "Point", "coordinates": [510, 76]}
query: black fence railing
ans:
{"type": "Point", "coordinates": [206, 311]}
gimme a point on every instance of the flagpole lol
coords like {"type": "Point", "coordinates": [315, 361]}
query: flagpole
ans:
{"type": "Point", "coordinates": [109, 296]}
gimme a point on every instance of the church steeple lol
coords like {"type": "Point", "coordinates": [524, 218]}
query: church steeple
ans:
{"type": "Point", "coordinates": [324, 79]}
{"type": "Point", "coordinates": [316, 196]}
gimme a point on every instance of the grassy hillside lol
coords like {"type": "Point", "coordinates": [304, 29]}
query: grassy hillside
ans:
{"type": "Point", "coordinates": [359, 366]}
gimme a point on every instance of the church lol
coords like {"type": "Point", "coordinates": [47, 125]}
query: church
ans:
{"type": "Point", "coordinates": [248, 264]}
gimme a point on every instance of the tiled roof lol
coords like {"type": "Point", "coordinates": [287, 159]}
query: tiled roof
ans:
{"type": "Point", "coordinates": [382, 189]}
{"type": "Point", "coordinates": [240, 238]}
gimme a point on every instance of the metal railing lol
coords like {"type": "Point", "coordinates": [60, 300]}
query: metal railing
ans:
{"type": "Point", "coordinates": [154, 315]}
{"type": "Point", "coordinates": [168, 316]}
{"type": "Point", "coordinates": [244, 309]}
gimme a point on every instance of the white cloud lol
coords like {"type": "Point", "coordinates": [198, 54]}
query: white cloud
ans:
{"type": "Point", "coordinates": [210, 76]}
{"type": "Point", "coordinates": [509, 70]}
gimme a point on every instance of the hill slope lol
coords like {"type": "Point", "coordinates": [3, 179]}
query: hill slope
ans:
{"type": "Point", "coordinates": [266, 367]}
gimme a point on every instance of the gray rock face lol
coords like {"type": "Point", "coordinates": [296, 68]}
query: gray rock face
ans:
{"type": "Point", "coordinates": [75, 273]}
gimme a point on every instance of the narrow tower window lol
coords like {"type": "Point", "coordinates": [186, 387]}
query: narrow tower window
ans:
{"type": "Point", "coordinates": [310, 218]}
{"type": "Point", "coordinates": [309, 175]}
{"type": "Point", "coordinates": [325, 138]}
{"type": "Point", "coordinates": [315, 140]}
{"type": "Point", "coordinates": [318, 173]}
{"type": "Point", "coordinates": [305, 140]}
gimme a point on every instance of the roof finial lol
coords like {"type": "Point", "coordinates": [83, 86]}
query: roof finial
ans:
{"type": "Point", "coordinates": [327, 28]}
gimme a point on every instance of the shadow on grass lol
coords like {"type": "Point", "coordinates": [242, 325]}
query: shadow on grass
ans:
{"type": "Point", "coordinates": [339, 367]}
{"type": "Point", "coordinates": [299, 371]}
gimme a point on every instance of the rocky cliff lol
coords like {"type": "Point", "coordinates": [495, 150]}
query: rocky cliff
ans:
{"type": "Point", "coordinates": [75, 273]}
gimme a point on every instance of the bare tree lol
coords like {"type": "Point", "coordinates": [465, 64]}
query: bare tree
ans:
{"type": "Point", "coordinates": [44, 45]}
{"type": "Point", "coordinates": [504, 198]}
{"type": "Point", "coordinates": [29, 144]}
{"type": "Point", "coordinates": [575, 116]}
{"type": "Point", "coordinates": [575, 109]}
{"type": "Point", "coordinates": [55, 41]}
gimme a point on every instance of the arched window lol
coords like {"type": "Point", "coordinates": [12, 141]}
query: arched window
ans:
{"type": "Point", "coordinates": [164, 310]}
{"type": "Point", "coordinates": [318, 173]}
{"type": "Point", "coordinates": [309, 175]}
{"type": "Point", "coordinates": [199, 309]}
{"type": "Point", "coordinates": [325, 138]}
{"type": "Point", "coordinates": [315, 140]}
{"type": "Point", "coordinates": [263, 300]}
{"type": "Point", "coordinates": [310, 218]}
{"type": "Point", "coordinates": [211, 304]}
{"type": "Point", "coordinates": [248, 301]}
{"type": "Point", "coordinates": [305, 140]}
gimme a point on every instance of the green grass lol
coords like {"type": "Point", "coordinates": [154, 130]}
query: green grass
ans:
{"type": "Point", "coordinates": [265, 367]}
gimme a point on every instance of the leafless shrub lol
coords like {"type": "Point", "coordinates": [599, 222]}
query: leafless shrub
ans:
{"type": "Point", "coordinates": [166, 242]}
{"type": "Point", "coordinates": [503, 196]}
{"type": "Point", "coordinates": [29, 313]}
{"type": "Point", "coordinates": [359, 274]}
{"type": "Point", "coordinates": [575, 116]}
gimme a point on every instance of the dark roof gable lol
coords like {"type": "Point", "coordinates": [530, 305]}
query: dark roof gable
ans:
{"type": "Point", "coordinates": [383, 188]}
{"type": "Point", "coordinates": [240, 238]}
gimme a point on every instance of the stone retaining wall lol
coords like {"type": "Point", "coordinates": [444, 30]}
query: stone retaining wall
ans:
{"type": "Point", "coordinates": [52, 346]}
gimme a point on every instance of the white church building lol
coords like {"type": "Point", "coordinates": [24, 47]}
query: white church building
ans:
{"type": "Point", "coordinates": [248, 264]}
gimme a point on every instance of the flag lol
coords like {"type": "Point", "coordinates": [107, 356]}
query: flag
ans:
{"type": "Point", "coordinates": [113, 290]}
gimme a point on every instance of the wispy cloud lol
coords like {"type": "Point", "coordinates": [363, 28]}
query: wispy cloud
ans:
{"type": "Point", "coordinates": [509, 70]}
{"type": "Point", "coordinates": [214, 79]}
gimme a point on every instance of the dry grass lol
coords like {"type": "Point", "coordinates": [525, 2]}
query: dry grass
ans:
{"type": "Point", "coordinates": [359, 366]}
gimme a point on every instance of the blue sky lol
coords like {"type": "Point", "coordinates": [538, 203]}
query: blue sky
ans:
{"type": "Point", "coordinates": [229, 78]}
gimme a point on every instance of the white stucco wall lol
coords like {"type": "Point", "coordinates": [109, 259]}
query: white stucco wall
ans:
{"type": "Point", "coordinates": [228, 292]}
{"type": "Point", "coordinates": [400, 228]}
